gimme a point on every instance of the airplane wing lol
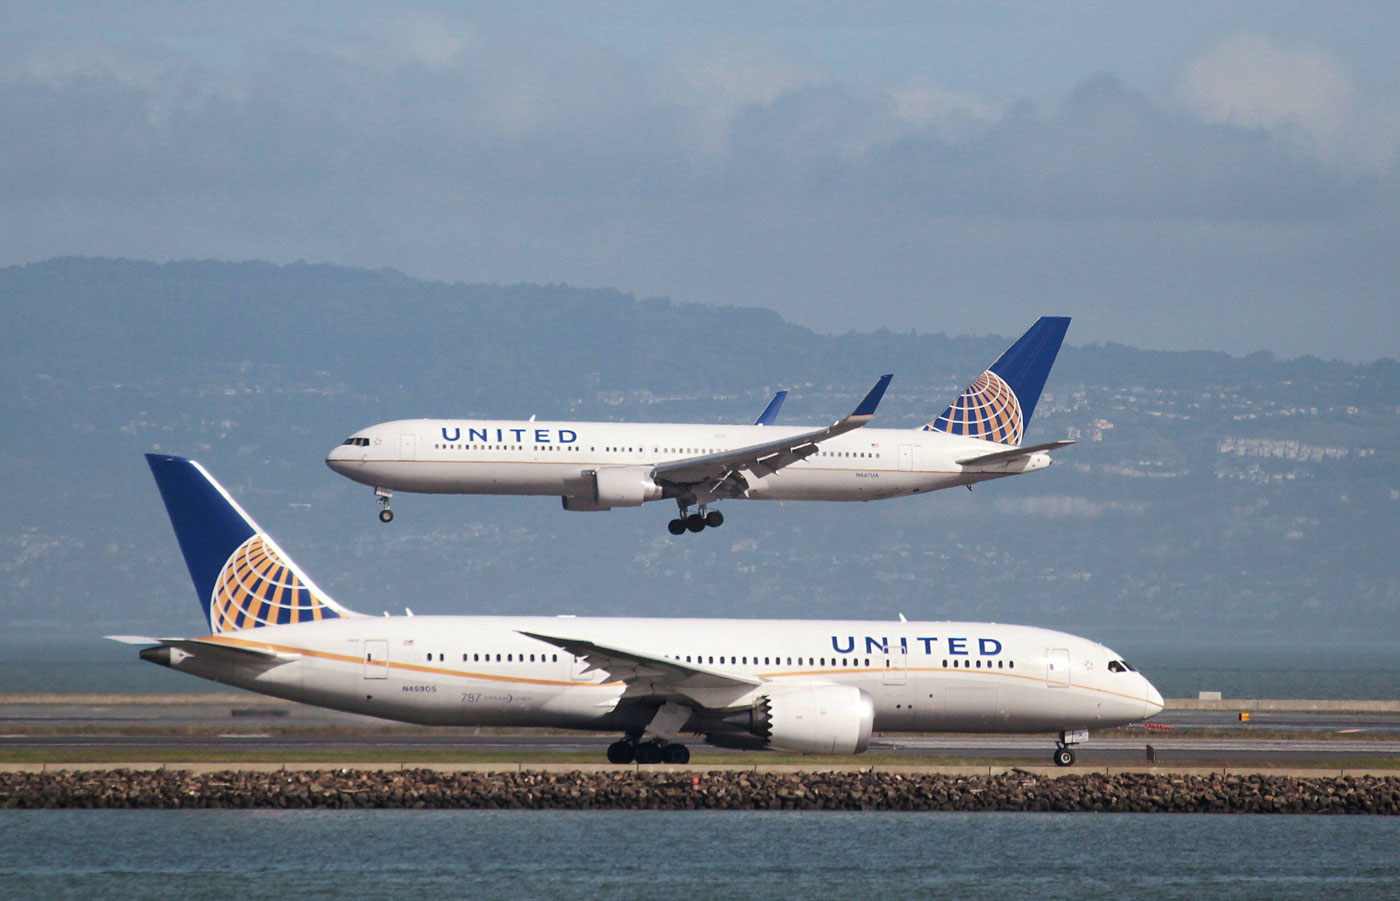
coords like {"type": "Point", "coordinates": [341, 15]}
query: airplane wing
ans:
{"type": "Point", "coordinates": [770, 412]}
{"type": "Point", "coordinates": [1014, 453]}
{"type": "Point", "coordinates": [657, 674]}
{"type": "Point", "coordinates": [769, 457]}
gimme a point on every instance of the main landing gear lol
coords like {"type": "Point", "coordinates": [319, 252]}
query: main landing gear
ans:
{"type": "Point", "coordinates": [630, 750]}
{"type": "Point", "coordinates": [382, 495]}
{"type": "Point", "coordinates": [695, 522]}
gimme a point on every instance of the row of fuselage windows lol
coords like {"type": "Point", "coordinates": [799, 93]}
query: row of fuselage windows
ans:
{"type": "Point", "coordinates": [504, 447]}
{"type": "Point", "coordinates": [727, 660]}
{"type": "Point", "coordinates": [730, 660]}
{"type": "Point", "coordinates": [613, 450]}
{"type": "Point", "coordinates": [506, 658]}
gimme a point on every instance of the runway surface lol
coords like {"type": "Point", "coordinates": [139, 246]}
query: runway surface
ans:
{"type": "Point", "coordinates": [239, 726]}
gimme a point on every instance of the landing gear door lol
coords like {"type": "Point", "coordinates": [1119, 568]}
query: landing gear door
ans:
{"type": "Point", "coordinates": [376, 659]}
{"type": "Point", "coordinates": [1057, 670]}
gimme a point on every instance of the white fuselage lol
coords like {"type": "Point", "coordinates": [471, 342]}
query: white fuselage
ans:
{"type": "Point", "coordinates": [479, 670]}
{"type": "Point", "coordinates": [454, 456]}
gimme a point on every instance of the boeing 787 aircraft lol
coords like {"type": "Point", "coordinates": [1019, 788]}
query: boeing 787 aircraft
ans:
{"type": "Point", "coordinates": [803, 686]}
{"type": "Point", "coordinates": [601, 465]}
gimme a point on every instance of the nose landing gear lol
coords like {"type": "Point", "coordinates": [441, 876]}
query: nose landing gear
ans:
{"type": "Point", "coordinates": [694, 522]}
{"type": "Point", "coordinates": [1064, 747]}
{"type": "Point", "coordinates": [381, 496]}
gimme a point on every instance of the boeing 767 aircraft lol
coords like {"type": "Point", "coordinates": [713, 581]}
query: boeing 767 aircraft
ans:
{"type": "Point", "coordinates": [803, 686]}
{"type": "Point", "coordinates": [601, 465]}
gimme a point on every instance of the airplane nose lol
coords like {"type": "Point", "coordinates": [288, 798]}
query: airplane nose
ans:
{"type": "Point", "coordinates": [339, 460]}
{"type": "Point", "coordinates": [1152, 701]}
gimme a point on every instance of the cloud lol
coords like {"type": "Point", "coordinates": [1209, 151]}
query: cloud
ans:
{"type": "Point", "coordinates": [1304, 96]}
{"type": "Point", "coordinates": [480, 111]}
{"type": "Point", "coordinates": [721, 170]}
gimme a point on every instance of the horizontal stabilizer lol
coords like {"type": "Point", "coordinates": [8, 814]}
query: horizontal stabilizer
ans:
{"type": "Point", "coordinates": [205, 646]}
{"type": "Point", "coordinates": [1014, 454]}
{"type": "Point", "coordinates": [215, 646]}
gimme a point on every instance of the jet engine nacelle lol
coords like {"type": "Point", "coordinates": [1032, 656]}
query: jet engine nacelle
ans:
{"type": "Point", "coordinates": [615, 486]}
{"type": "Point", "coordinates": [811, 719]}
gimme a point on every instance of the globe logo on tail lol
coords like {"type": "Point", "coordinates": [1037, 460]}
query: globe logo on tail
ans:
{"type": "Point", "coordinates": [988, 409]}
{"type": "Point", "coordinates": [256, 587]}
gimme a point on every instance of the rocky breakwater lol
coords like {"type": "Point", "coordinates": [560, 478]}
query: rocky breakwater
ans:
{"type": "Point", "coordinates": [695, 790]}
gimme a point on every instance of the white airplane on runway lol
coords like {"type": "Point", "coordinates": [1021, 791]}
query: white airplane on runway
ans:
{"type": "Point", "coordinates": [601, 465]}
{"type": "Point", "coordinates": [803, 686]}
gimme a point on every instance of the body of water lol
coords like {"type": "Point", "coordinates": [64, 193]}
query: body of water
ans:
{"type": "Point", "coordinates": [641, 854]}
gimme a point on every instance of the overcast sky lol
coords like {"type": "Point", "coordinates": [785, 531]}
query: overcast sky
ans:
{"type": "Point", "coordinates": [1174, 175]}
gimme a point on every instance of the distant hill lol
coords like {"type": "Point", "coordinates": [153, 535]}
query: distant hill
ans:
{"type": "Point", "coordinates": [1208, 494]}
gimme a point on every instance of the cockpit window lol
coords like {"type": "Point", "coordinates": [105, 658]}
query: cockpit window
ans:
{"type": "Point", "coordinates": [357, 442]}
{"type": "Point", "coordinates": [1120, 666]}
{"type": "Point", "coordinates": [348, 441]}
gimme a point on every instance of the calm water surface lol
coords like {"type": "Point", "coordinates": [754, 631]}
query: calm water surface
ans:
{"type": "Point", "coordinates": [525, 854]}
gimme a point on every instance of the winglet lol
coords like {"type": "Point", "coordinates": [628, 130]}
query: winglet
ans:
{"type": "Point", "coordinates": [770, 412]}
{"type": "Point", "coordinates": [867, 407]}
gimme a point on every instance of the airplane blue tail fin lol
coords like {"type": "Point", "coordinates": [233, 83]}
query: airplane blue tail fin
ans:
{"type": "Point", "coordinates": [243, 579]}
{"type": "Point", "coordinates": [998, 405]}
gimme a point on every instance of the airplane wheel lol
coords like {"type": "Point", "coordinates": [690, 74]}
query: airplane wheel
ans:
{"type": "Point", "coordinates": [621, 752]}
{"type": "Point", "coordinates": [386, 515]}
{"type": "Point", "coordinates": [714, 519]}
{"type": "Point", "coordinates": [676, 754]}
{"type": "Point", "coordinates": [649, 753]}
{"type": "Point", "coordinates": [1064, 757]}
{"type": "Point", "coordinates": [695, 522]}
{"type": "Point", "coordinates": [676, 526]}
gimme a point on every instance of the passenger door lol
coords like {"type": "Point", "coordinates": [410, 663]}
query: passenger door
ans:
{"type": "Point", "coordinates": [897, 662]}
{"type": "Point", "coordinates": [376, 659]}
{"type": "Point", "coordinates": [1057, 671]}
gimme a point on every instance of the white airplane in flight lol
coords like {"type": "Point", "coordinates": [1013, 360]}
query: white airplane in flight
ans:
{"type": "Point", "coordinates": [802, 686]}
{"type": "Point", "coordinates": [601, 465]}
